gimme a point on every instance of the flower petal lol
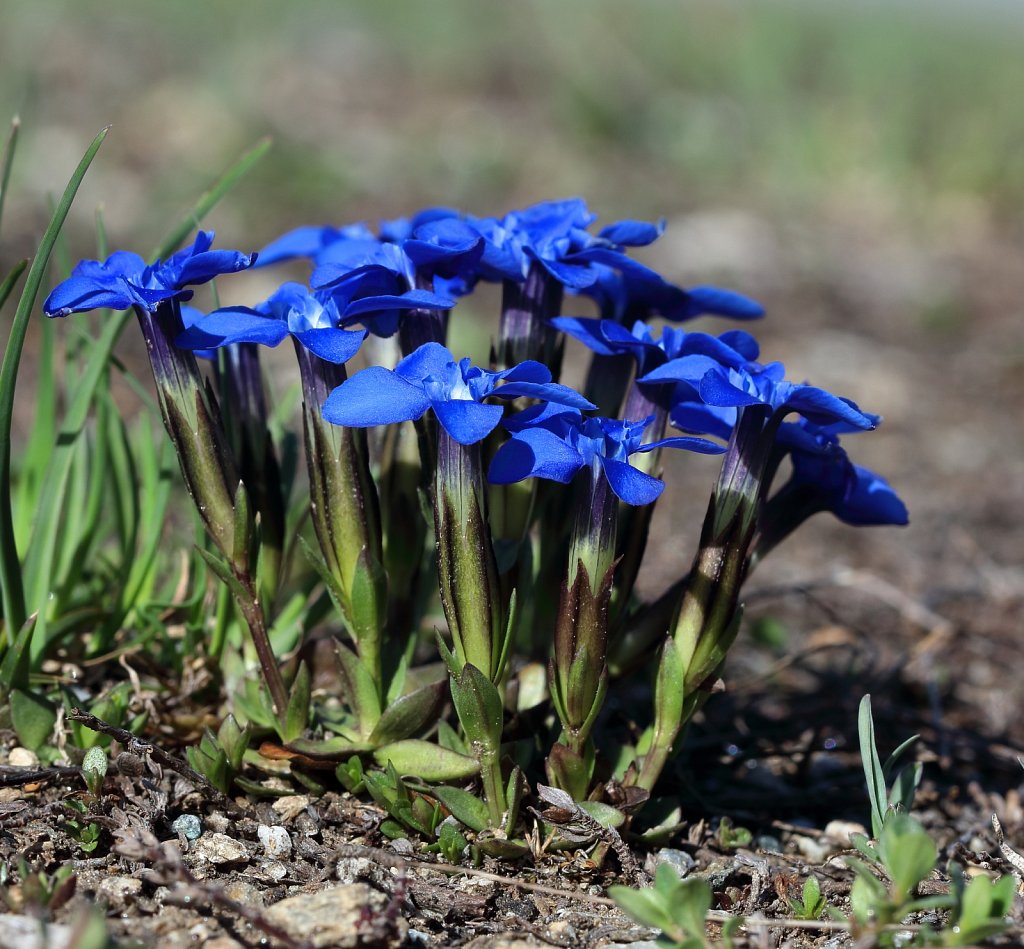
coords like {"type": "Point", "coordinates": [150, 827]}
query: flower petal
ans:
{"type": "Point", "coordinates": [374, 396]}
{"type": "Point", "coordinates": [232, 325]}
{"type": "Point", "coordinates": [333, 345]}
{"type": "Point", "coordinates": [468, 422]}
{"type": "Point", "coordinates": [534, 453]}
{"type": "Point", "coordinates": [630, 485]}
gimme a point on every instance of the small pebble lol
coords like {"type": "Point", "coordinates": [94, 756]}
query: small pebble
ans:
{"type": "Point", "coordinates": [276, 843]}
{"type": "Point", "coordinates": [188, 825]}
{"type": "Point", "coordinates": [23, 758]}
{"type": "Point", "coordinates": [288, 808]}
{"type": "Point", "coordinates": [768, 842]}
{"type": "Point", "coordinates": [220, 848]}
{"type": "Point", "coordinates": [678, 860]}
{"type": "Point", "coordinates": [842, 830]}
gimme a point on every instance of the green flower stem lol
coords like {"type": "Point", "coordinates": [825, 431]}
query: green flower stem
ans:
{"type": "Point", "coordinates": [579, 671]}
{"type": "Point", "coordinates": [346, 512]}
{"type": "Point", "coordinates": [242, 386]}
{"type": "Point", "coordinates": [467, 570]}
{"type": "Point", "coordinates": [193, 422]}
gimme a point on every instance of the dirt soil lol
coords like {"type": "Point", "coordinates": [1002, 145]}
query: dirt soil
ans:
{"type": "Point", "coordinates": [927, 619]}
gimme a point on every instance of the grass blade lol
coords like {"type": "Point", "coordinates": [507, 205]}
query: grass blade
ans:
{"type": "Point", "coordinates": [10, 280]}
{"type": "Point", "coordinates": [10, 568]}
{"type": "Point", "coordinates": [209, 199]}
{"type": "Point", "coordinates": [8, 161]}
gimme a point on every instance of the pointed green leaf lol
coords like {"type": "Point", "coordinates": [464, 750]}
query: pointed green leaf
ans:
{"type": "Point", "coordinates": [7, 162]}
{"type": "Point", "coordinates": [426, 760]}
{"type": "Point", "coordinates": [410, 714]}
{"type": "Point", "coordinates": [872, 766]}
{"type": "Point", "coordinates": [11, 587]}
{"type": "Point", "coordinates": [33, 717]}
{"type": "Point", "coordinates": [359, 691]}
{"type": "Point", "coordinates": [479, 707]}
{"type": "Point", "coordinates": [297, 715]}
{"type": "Point", "coordinates": [465, 807]}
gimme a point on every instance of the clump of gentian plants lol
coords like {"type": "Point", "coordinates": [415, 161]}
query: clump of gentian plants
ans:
{"type": "Point", "coordinates": [521, 505]}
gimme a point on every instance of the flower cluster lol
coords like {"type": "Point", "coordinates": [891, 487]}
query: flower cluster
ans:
{"type": "Point", "coordinates": [547, 572]}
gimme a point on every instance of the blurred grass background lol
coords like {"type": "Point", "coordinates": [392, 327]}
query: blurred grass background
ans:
{"type": "Point", "coordinates": [648, 108]}
{"type": "Point", "coordinates": [857, 166]}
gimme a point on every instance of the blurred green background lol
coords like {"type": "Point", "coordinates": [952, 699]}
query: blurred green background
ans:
{"type": "Point", "coordinates": [858, 167]}
{"type": "Point", "coordinates": [648, 108]}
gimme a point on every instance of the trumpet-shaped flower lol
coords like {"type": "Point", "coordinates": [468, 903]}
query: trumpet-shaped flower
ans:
{"type": "Point", "coordinates": [823, 471]}
{"type": "Point", "coordinates": [312, 319]}
{"type": "Point", "coordinates": [125, 280]}
{"type": "Point", "coordinates": [430, 378]}
{"type": "Point", "coordinates": [557, 444]}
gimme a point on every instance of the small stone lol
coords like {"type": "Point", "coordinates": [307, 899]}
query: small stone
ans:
{"type": "Point", "coordinates": [26, 932]}
{"type": "Point", "coordinates": [220, 848]}
{"type": "Point", "coordinates": [288, 808]}
{"type": "Point", "coordinates": [810, 847]}
{"type": "Point", "coordinates": [188, 825]}
{"type": "Point", "coordinates": [678, 860]}
{"type": "Point", "coordinates": [117, 892]}
{"type": "Point", "coordinates": [563, 932]}
{"type": "Point", "coordinates": [23, 758]}
{"type": "Point", "coordinates": [505, 941]}
{"type": "Point", "coordinates": [841, 831]}
{"type": "Point", "coordinates": [768, 843]}
{"type": "Point", "coordinates": [241, 891]}
{"type": "Point", "coordinates": [332, 917]}
{"type": "Point", "coordinates": [276, 843]}
{"type": "Point", "coordinates": [274, 870]}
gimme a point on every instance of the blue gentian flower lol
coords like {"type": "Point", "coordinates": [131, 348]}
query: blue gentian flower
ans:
{"type": "Point", "coordinates": [310, 241]}
{"type": "Point", "coordinates": [625, 289]}
{"type": "Point", "coordinates": [734, 348]}
{"type": "Point", "coordinates": [124, 279]}
{"type": "Point", "coordinates": [764, 386]}
{"type": "Point", "coordinates": [312, 319]}
{"type": "Point", "coordinates": [823, 471]}
{"type": "Point", "coordinates": [430, 378]}
{"type": "Point", "coordinates": [556, 444]}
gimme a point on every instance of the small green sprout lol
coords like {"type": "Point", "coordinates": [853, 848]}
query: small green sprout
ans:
{"type": "Point", "coordinates": [812, 904]}
{"type": "Point", "coordinates": [219, 757]}
{"type": "Point", "coordinates": [677, 907]}
{"type": "Point", "coordinates": [94, 770]}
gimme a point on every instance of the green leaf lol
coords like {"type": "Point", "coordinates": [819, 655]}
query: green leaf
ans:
{"type": "Point", "coordinates": [11, 586]}
{"type": "Point", "coordinates": [426, 760]}
{"type": "Point", "coordinates": [358, 689]}
{"type": "Point", "coordinates": [33, 718]}
{"type": "Point", "coordinates": [502, 849]}
{"type": "Point", "coordinates": [514, 798]}
{"type": "Point", "coordinates": [873, 772]}
{"type": "Point", "coordinates": [907, 852]}
{"type": "Point", "coordinates": [448, 737]}
{"type": "Point", "coordinates": [410, 714]}
{"type": "Point", "coordinates": [478, 705]}
{"type": "Point", "coordinates": [465, 807]}
{"type": "Point", "coordinates": [15, 668]}
{"type": "Point", "coordinates": [7, 162]}
{"type": "Point", "coordinates": [604, 814]}
{"type": "Point", "coordinates": [297, 715]}
{"type": "Point", "coordinates": [11, 280]}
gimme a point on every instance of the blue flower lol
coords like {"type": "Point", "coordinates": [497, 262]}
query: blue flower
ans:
{"type": "Point", "coordinates": [373, 283]}
{"type": "Point", "coordinates": [734, 348]}
{"type": "Point", "coordinates": [430, 378]}
{"type": "Point", "coordinates": [310, 241]}
{"type": "Point", "coordinates": [124, 279]}
{"type": "Point", "coordinates": [823, 470]}
{"type": "Point", "coordinates": [624, 289]}
{"type": "Point", "coordinates": [556, 444]}
{"type": "Point", "coordinates": [765, 386]}
{"type": "Point", "coordinates": [312, 319]}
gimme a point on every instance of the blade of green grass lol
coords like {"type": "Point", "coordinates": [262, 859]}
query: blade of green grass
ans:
{"type": "Point", "coordinates": [8, 161]}
{"type": "Point", "coordinates": [10, 567]}
{"type": "Point", "coordinates": [41, 551]}
{"type": "Point", "coordinates": [10, 280]}
{"type": "Point", "coordinates": [209, 199]}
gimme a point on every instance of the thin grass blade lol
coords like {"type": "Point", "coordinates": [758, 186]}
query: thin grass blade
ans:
{"type": "Point", "coordinates": [10, 567]}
